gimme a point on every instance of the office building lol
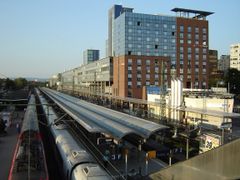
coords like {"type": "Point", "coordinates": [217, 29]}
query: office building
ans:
{"type": "Point", "coordinates": [213, 63]}
{"type": "Point", "coordinates": [143, 45]}
{"type": "Point", "coordinates": [90, 55]}
{"type": "Point", "coordinates": [224, 63]}
{"type": "Point", "coordinates": [235, 56]}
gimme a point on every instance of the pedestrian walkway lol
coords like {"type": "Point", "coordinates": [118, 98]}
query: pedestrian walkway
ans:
{"type": "Point", "coordinates": [7, 146]}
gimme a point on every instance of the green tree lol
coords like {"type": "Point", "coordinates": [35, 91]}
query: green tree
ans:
{"type": "Point", "coordinates": [232, 80]}
{"type": "Point", "coordinates": [9, 84]}
{"type": "Point", "coordinates": [20, 83]}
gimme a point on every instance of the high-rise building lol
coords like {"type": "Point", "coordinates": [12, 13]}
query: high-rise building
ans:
{"type": "Point", "coordinates": [224, 63]}
{"type": "Point", "coordinates": [213, 62]}
{"type": "Point", "coordinates": [90, 55]}
{"type": "Point", "coordinates": [149, 49]}
{"type": "Point", "coordinates": [235, 56]}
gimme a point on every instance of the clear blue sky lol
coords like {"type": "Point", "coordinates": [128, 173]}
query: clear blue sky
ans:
{"type": "Point", "coordinates": [39, 38]}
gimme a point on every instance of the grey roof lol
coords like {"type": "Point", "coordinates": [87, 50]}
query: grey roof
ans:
{"type": "Point", "coordinates": [30, 121]}
{"type": "Point", "coordinates": [203, 13]}
{"type": "Point", "coordinates": [103, 119]}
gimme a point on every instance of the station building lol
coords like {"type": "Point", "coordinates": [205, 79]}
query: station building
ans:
{"type": "Point", "coordinates": [147, 50]}
{"type": "Point", "coordinates": [180, 42]}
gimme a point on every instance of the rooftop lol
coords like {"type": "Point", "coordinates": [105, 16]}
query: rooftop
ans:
{"type": "Point", "coordinates": [185, 13]}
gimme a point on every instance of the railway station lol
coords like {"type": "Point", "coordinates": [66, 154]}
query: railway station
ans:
{"type": "Point", "coordinates": [117, 145]}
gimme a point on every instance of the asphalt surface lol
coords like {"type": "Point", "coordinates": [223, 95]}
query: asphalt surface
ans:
{"type": "Point", "coordinates": [7, 147]}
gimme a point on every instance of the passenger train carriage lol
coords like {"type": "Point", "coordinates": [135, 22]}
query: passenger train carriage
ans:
{"type": "Point", "coordinates": [29, 161]}
{"type": "Point", "coordinates": [76, 163]}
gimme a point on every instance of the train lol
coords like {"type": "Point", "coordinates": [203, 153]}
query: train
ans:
{"type": "Point", "coordinates": [29, 160]}
{"type": "Point", "coordinates": [76, 163]}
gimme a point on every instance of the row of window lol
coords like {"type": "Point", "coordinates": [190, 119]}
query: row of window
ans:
{"type": "Point", "coordinates": [147, 24]}
{"type": "Point", "coordinates": [189, 36]}
{"type": "Point", "coordinates": [196, 29]}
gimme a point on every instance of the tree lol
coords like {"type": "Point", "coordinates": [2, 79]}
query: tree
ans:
{"type": "Point", "coordinates": [232, 80]}
{"type": "Point", "coordinates": [20, 83]}
{"type": "Point", "coordinates": [9, 84]}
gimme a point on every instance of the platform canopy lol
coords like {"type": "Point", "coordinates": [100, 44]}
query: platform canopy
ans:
{"type": "Point", "coordinates": [105, 120]}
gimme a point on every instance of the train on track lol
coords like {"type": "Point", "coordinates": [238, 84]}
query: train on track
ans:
{"type": "Point", "coordinates": [29, 158]}
{"type": "Point", "coordinates": [76, 163]}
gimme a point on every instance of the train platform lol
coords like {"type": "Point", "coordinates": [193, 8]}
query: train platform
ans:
{"type": "Point", "coordinates": [7, 145]}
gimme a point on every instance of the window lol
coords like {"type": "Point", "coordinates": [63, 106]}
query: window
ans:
{"type": "Point", "coordinates": [196, 57]}
{"type": "Point", "coordinates": [164, 47]}
{"type": "Point", "coordinates": [129, 76]}
{"type": "Point", "coordinates": [181, 56]}
{"type": "Point", "coordinates": [197, 50]}
{"type": "Point", "coordinates": [181, 49]}
{"type": "Point", "coordinates": [156, 83]}
{"type": "Point", "coordinates": [181, 28]}
{"type": "Point", "coordinates": [147, 83]}
{"type": "Point", "coordinates": [147, 62]}
{"type": "Point", "coordinates": [148, 39]}
{"type": "Point", "coordinates": [129, 22]}
{"type": "Point", "coordinates": [139, 83]}
{"type": "Point", "coordinates": [204, 37]}
{"type": "Point", "coordinates": [173, 33]}
{"type": "Point", "coordinates": [189, 41]}
{"type": "Point", "coordinates": [130, 45]}
{"type": "Point", "coordinates": [147, 76]}
{"type": "Point", "coordinates": [196, 36]}
{"type": "Point", "coordinates": [129, 52]}
{"type": "Point", "coordinates": [129, 83]}
{"type": "Point", "coordinates": [204, 50]}
{"type": "Point", "coordinates": [189, 29]}
{"type": "Point", "coordinates": [130, 30]}
{"type": "Point", "coordinates": [189, 36]}
{"type": "Point", "coordinates": [139, 23]}
{"type": "Point", "coordinates": [196, 30]}
{"type": "Point", "coordinates": [204, 57]}
{"type": "Point", "coordinates": [173, 26]}
{"type": "Point", "coordinates": [139, 38]}
{"type": "Point", "coordinates": [204, 30]}
{"type": "Point", "coordinates": [181, 41]}
{"type": "Point", "coordinates": [156, 46]}
{"type": "Point", "coordinates": [156, 76]}
{"type": "Point", "coordinates": [165, 25]}
{"type": "Point", "coordinates": [189, 50]}
{"type": "Point", "coordinates": [129, 61]}
{"type": "Point", "coordinates": [148, 69]}
{"type": "Point", "coordinates": [139, 61]}
{"type": "Point", "coordinates": [181, 35]}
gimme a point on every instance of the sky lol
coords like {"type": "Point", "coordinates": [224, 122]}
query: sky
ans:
{"type": "Point", "coordinates": [39, 38]}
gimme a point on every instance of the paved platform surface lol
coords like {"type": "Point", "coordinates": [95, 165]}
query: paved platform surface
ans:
{"type": "Point", "coordinates": [7, 146]}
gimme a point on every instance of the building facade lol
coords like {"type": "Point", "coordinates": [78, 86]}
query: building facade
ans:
{"type": "Point", "coordinates": [90, 55]}
{"type": "Point", "coordinates": [224, 63]}
{"type": "Point", "coordinates": [235, 56]}
{"type": "Point", "coordinates": [213, 63]}
{"type": "Point", "coordinates": [93, 78]}
{"type": "Point", "coordinates": [181, 42]}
